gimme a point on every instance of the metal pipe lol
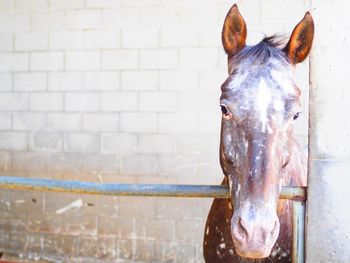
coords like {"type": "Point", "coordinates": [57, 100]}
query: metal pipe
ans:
{"type": "Point", "coordinates": [298, 253]}
{"type": "Point", "coordinates": [162, 190]}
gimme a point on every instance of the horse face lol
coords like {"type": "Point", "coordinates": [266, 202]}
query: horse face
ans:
{"type": "Point", "coordinates": [260, 104]}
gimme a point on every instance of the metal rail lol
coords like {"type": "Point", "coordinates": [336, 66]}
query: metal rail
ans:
{"type": "Point", "coordinates": [161, 190]}
{"type": "Point", "coordinates": [297, 194]}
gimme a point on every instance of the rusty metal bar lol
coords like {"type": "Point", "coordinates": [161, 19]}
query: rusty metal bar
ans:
{"type": "Point", "coordinates": [298, 252]}
{"type": "Point", "coordinates": [161, 190]}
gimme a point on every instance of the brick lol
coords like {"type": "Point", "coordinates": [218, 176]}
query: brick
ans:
{"type": "Point", "coordinates": [156, 143]}
{"type": "Point", "coordinates": [139, 80]}
{"type": "Point", "coordinates": [172, 252]}
{"type": "Point", "coordinates": [97, 39]}
{"type": "Point", "coordinates": [212, 79]}
{"type": "Point", "coordinates": [7, 5]}
{"type": "Point", "coordinates": [48, 21]}
{"type": "Point", "coordinates": [120, 18]}
{"type": "Point", "coordinates": [179, 37]}
{"type": "Point", "coordinates": [106, 122]}
{"type": "Point", "coordinates": [203, 15]}
{"type": "Point", "coordinates": [82, 60]}
{"type": "Point", "coordinates": [209, 123]}
{"type": "Point", "coordinates": [145, 251]}
{"type": "Point", "coordinates": [15, 22]}
{"type": "Point", "coordinates": [155, 229]}
{"type": "Point", "coordinates": [64, 162]}
{"type": "Point", "coordinates": [210, 36]}
{"type": "Point", "coordinates": [14, 62]}
{"type": "Point", "coordinates": [4, 164]}
{"type": "Point", "coordinates": [5, 81]}
{"type": "Point", "coordinates": [93, 247]}
{"type": "Point", "coordinates": [193, 101]}
{"type": "Point", "coordinates": [31, 41]}
{"type": "Point", "coordinates": [140, 3]}
{"type": "Point", "coordinates": [120, 59]}
{"type": "Point", "coordinates": [138, 122]}
{"type": "Point", "coordinates": [100, 163]}
{"type": "Point", "coordinates": [16, 141]}
{"type": "Point", "coordinates": [119, 226]}
{"type": "Point", "coordinates": [46, 101]}
{"type": "Point", "coordinates": [43, 222]}
{"type": "Point", "coordinates": [179, 208]}
{"type": "Point", "coordinates": [140, 37]}
{"type": "Point", "coordinates": [82, 101]}
{"type": "Point", "coordinates": [158, 15]}
{"type": "Point", "coordinates": [158, 101]}
{"type": "Point", "coordinates": [177, 123]}
{"type": "Point", "coordinates": [102, 3]}
{"type": "Point", "coordinates": [6, 41]}
{"type": "Point", "coordinates": [118, 143]}
{"type": "Point", "coordinates": [100, 81]}
{"type": "Point", "coordinates": [66, 4]}
{"type": "Point", "coordinates": [65, 81]}
{"type": "Point", "coordinates": [178, 80]}
{"type": "Point", "coordinates": [147, 165]}
{"type": "Point", "coordinates": [79, 224]}
{"type": "Point", "coordinates": [198, 58]}
{"type": "Point", "coordinates": [137, 207]}
{"type": "Point", "coordinates": [46, 61]}
{"type": "Point", "coordinates": [287, 12]}
{"type": "Point", "coordinates": [45, 141]}
{"type": "Point", "coordinates": [190, 231]}
{"type": "Point", "coordinates": [30, 81]}
{"type": "Point", "coordinates": [5, 121]}
{"type": "Point", "coordinates": [178, 166]}
{"type": "Point", "coordinates": [63, 40]}
{"type": "Point", "coordinates": [19, 101]}
{"type": "Point", "coordinates": [25, 161]}
{"type": "Point", "coordinates": [158, 58]}
{"type": "Point", "coordinates": [125, 249]}
{"type": "Point", "coordinates": [64, 121]}
{"type": "Point", "coordinates": [81, 143]}
{"type": "Point", "coordinates": [119, 101]}
{"type": "Point", "coordinates": [31, 4]}
{"type": "Point", "coordinates": [28, 121]}
{"type": "Point", "coordinates": [84, 19]}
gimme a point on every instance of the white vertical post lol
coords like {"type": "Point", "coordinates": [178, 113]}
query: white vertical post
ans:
{"type": "Point", "coordinates": [328, 206]}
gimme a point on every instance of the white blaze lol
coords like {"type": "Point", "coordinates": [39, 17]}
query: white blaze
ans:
{"type": "Point", "coordinates": [263, 101]}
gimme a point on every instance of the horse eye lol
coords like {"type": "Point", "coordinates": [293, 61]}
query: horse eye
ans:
{"type": "Point", "coordinates": [296, 116]}
{"type": "Point", "coordinates": [224, 109]}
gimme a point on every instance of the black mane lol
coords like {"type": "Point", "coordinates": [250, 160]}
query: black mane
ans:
{"type": "Point", "coordinates": [269, 47]}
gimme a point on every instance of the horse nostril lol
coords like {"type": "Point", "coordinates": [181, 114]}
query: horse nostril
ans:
{"type": "Point", "coordinates": [241, 232]}
{"type": "Point", "coordinates": [276, 227]}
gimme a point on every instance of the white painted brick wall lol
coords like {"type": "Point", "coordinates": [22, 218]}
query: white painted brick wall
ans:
{"type": "Point", "coordinates": [100, 81]}
{"type": "Point", "coordinates": [62, 40]}
{"type": "Point", "coordinates": [139, 80]}
{"type": "Point", "coordinates": [31, 41]}
{"type": "Point", "coordinates": [123, 90]}
{"type": "Point", "coordinates": [83, 60]}
{"type": "Point", "coordinates": [65, 81]}
{"type": "Point", "coordinates": [42, 61]}
{"type": "Point", "coordinates": [120, 59]}
{"type": "Point", "coordinates": [30, 81]}
{"type": "Point", "coordinates": [82, 101]}
{"type": "Point", "coordinates": [46, 101]}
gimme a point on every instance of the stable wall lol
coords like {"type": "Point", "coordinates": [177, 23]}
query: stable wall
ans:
{"type": "Point", "coordinates": [117, 91]}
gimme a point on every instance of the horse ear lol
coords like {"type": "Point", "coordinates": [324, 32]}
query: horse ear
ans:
{"type": "Point", "coordinates": [234, 31]}
{"type": "Point", "coordinates": [300, 41]}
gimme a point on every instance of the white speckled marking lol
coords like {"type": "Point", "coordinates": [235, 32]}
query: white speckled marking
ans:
{"type": "Point", "coordinates": [263, 102]}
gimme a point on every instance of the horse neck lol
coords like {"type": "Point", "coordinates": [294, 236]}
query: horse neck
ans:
{"type": "Point", "coordinates": [295, 174]}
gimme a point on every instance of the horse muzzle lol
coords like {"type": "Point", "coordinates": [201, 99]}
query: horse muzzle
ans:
{"type": "Point", "coordinates": [254, 231]}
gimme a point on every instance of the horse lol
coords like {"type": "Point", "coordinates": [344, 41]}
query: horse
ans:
{"type": "Point", "coordinates": [259, 153]}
